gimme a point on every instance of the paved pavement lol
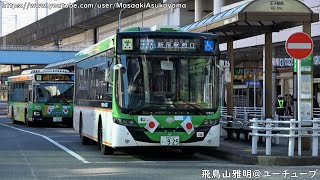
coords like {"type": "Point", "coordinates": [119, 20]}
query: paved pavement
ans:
{"type": "Point", "coordinates": [239, 151]}
{"type": "Point", "coordinates": [56, 153]}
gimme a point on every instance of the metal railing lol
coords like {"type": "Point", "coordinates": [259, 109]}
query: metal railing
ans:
{"type": "Point", "coordinates": [243, 113]}
{"type": "Point", "coordinates": [292, 133]}
{"type": "Point", "coordinates": [316, 112]}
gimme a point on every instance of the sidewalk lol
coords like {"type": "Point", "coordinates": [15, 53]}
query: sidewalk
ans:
{"type": "Point", "coordinates": [239, 151]}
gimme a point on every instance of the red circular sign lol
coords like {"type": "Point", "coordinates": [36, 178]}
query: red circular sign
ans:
{"type": "Point", "coordinates": [299, 45]}
{"type": "Point", "coordinates": [152, 124]}
{"type": "Point", "coordinates": [189, 126]}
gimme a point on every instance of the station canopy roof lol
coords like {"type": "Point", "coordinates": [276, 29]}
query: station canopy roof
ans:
{"type": "Point", "coordinates": [254, 18]}
{"type": "Point", "coordinates": [61, 64]}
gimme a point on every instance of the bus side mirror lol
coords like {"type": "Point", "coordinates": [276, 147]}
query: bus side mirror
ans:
{"type": "Point", "coordinates": [119, 67]}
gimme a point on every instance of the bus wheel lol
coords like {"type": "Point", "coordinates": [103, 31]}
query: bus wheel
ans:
{"type": "Point", "coordinates": [84, 140]}
{"type": "Point", "coordinates": [104, 149]}
{"type": "Point", "coordinates": [12, 117]}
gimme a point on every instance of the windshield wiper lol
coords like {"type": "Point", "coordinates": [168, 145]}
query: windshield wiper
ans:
{"type": "Point", "coordinates": [156, 106]}
{"type": "Point", "coordinates": [140, 109]}
{"type": "Point", "coordinates": [200, 111]}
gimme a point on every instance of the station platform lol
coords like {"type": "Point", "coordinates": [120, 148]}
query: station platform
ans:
{"type": "Point", "coordinates": [239, 151]}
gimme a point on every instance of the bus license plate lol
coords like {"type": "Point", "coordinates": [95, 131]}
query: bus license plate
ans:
{"type": "Point", "coordinates": [169, 141]}
{"type": "Point", "coordinates": [57, 119]}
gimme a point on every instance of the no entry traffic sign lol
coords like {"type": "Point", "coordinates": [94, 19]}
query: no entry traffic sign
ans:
{"type": "Point", "coordinates": [299, 45]}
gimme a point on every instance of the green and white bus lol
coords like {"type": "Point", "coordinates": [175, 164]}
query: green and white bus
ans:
{"type": "Point", "coordinates": [41, 95]}
{"type": "Point", "coordinates": [149, 87]}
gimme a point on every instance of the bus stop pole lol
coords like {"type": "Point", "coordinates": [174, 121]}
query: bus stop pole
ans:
{"type": "Point", "coordinates": [299, 105]}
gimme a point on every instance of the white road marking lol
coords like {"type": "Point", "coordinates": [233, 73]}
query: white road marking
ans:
{"type": "Point", "coordinates": [154, 162]}
{"type": "Point", "coordinates": [299, 45]}
{"type": "Point", "coordinates": [68, 141]}
{"type": "Point", "coordinates": [77, 156]}
{"type": "Point", "coordinates": [26, 160]}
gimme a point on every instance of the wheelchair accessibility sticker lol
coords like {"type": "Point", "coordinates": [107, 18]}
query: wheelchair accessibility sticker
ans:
{"type": "Point", "coordinates": [208, 46]}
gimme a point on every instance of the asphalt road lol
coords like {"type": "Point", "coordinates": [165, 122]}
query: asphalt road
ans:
{"type": "Point", "coordinates": [56, 153]}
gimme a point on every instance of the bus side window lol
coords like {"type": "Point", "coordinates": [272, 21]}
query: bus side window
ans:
{"type": "Point", "coordinates": [30, 95]}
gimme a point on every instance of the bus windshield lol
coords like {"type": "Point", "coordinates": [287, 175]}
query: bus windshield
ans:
{"type": "Point", "coordinates": [54, 92]}
{"type": "Point", "coordinates": [167, 83]}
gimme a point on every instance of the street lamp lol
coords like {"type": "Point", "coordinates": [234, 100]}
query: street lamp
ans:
{"type": "Point", "coordinates": [119, 21]}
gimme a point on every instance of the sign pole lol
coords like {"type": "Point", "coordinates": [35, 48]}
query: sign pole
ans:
{"type": "Point", "coordinates": [254, 90]}
{"type": "Point", "coordinates": [299, 46]}
{"type": "Point", "coordinates": [299, 105]}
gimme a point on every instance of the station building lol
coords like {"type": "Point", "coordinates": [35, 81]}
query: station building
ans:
{"type": "Point", "coordinates": [248, 52]}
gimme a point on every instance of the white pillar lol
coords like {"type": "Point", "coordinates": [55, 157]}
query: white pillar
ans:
{"type": "Point", "coordinates": [254, 146]}
{"type": "Point", "coordinates": [1, 3]}
{"type": "Point", "coordinates": [315, 138]}
{"type": "Point", "coordinates": [217, 5]}
{"type": "Point", "coordinates": [36, 12]}
{"type": "Point", "coordinates": [291, 139]}
{"type": "Point", "coordinates": [268, 137]}
{"type": "Point", "coordinates": [198, 10]}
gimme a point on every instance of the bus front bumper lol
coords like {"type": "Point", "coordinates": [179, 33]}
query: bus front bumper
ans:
{"type": "Point", "coordinates": [63, 120]}
{"type": "Point", "coordinates": [121, 137]}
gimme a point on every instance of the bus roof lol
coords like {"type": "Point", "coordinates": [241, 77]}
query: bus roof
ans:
{"type": "Point", "coordinates": [35, 71]}
{"type": "Point", "coordinates": [96, 48]}
{"type": "Point", "coordinates": [28, 75]}
{"type": "Point", "coordinates": [19, 78]}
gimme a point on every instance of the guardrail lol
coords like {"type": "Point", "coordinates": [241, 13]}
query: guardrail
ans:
{"type": "Point", "coordinates": [293, 132]}
{"type": "Point", "coordinates": [316, 112]}
{"type": "Point", "coordinates": [239, 122]}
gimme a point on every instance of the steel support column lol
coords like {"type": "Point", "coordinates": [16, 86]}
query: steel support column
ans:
{"type": "Point", "coordinates": [274, 86]}
{"type": "Point", "coordinates": [230, 84]}
{"type": "Point", "coordinates": [198, 10]}
{"type": "Point", "coordinates": [306, 27]}
{"type": "Point", "coordinates": [267, 75]}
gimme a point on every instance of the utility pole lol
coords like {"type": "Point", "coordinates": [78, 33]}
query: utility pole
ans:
{"type": "Point", "coordinates": [36, 12]}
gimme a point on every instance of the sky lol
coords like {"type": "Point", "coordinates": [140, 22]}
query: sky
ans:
{"type": "Point", "coordinates": [24, 16]}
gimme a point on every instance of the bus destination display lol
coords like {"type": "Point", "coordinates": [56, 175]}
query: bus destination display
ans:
{"type": "Point", "coordinates": [156, 44]}
{"type": "Point", "coordinates": [54, 77]}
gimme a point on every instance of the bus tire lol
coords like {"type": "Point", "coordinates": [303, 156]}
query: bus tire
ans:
{"type": "Point", "coordinates": [84, 140]}
{"type": "Point", "coordinates": [106, 150]}
{"type": "Point", "coordinates": [12, 117]}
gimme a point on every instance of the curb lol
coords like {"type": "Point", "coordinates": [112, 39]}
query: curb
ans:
{"type": "Point", "coordinates": [264, 160]}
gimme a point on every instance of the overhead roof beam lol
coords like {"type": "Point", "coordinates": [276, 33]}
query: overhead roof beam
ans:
{"type": "Point", "coordinates": [246, 29]}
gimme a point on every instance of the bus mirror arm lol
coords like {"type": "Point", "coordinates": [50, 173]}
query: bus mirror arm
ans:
{"type": "Point", "coordinates": [119, 67]}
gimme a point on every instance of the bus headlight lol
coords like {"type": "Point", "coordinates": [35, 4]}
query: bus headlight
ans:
{"type": "Point", "coordinates": [124, 122]}
{"type": "Point", "coordinates": [210, 122]}
{"type": "Point", "coordinates": [36, 113]}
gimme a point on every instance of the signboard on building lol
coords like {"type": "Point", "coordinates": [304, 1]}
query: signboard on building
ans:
{"type": "Point", "coordinates": [289, 62]}
{"type": "Point", "coordinates": [245, 73]}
